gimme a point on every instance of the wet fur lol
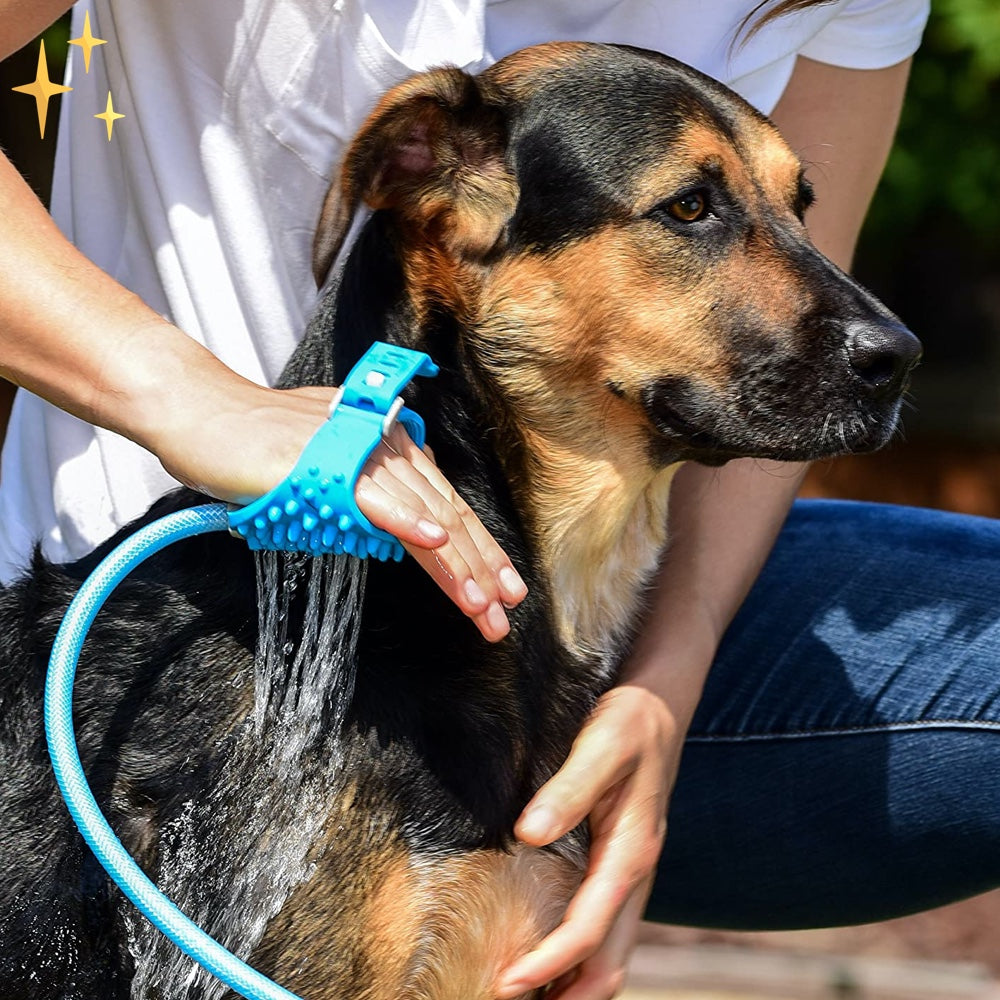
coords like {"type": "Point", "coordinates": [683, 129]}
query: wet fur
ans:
{"type": "Point", "coordinates": [588, 343]}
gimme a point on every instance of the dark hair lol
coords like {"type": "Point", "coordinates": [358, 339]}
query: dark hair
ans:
{"type": "Point", "coordinates": [751, 24]}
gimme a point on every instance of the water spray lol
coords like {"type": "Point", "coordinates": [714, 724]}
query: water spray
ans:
{"type": "Point", "coordinates": [312, 511]}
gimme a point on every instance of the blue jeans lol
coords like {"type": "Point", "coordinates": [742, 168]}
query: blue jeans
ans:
{"type": "Point", "coordinates": [844, 764]}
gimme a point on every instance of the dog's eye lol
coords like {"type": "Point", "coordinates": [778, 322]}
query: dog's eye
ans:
{"type": "Point", "coordinates": [689, 207]}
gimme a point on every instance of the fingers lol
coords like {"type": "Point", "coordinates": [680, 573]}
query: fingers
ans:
{"type": "Point", "coordinates": [402, 491]}
{"type": "Point", "coordinates": [627, 732]}
{"type": "Point", "coordinates": [602, 976]}
{"type": "Point", "coordinates": [567, 798]}
{"type": "Point", "coordinates": [600, 972]}
{"type": "Point", "coordinates": [625, 850]}
{"type": "Point", "coordinates": [619, 773]}
{"type": "Point", "coordinates": [395, 508]}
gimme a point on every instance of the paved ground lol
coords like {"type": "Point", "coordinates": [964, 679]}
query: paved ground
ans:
{"type": "Point", "coordinates": [713, 972]}
{"type": "Point", "coordinates": [948, 954]}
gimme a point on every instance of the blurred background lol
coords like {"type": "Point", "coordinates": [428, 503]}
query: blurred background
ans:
{"type": "Point", "coordinates": [931, 251]}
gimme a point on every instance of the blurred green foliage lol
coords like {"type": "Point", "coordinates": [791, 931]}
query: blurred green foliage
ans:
{"type": "Point", "coordinates": [945, 168]}
{"type": "Point", "coordinates": [56, 44]}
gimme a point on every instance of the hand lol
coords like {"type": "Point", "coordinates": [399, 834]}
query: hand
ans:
{"type": "Point", "coordinates": [402, 491]}
{"type": "Point", "coordinates": [241, 449]}
{"type": "Point", "coordinates": [619, 773]}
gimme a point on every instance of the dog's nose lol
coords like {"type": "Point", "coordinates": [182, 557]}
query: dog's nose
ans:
{"type": "Point", "coordinates": [882, 355]}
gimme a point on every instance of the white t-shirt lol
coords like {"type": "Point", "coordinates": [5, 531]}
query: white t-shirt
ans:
{"type": "Point", "coordinates": [236, 114]}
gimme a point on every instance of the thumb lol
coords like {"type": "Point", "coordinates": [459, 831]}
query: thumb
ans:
{"type": "Point", "coordinates": [591, 771]}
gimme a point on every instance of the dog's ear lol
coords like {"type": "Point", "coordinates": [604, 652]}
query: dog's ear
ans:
{"type": "Point", "coordinates": [433, 152]}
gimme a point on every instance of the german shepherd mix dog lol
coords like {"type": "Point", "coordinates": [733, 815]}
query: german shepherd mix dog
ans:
{"type": "Point", "coordinates": [604, 252]}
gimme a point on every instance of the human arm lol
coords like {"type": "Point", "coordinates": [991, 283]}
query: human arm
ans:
{"type": "Point", "coordinates": [722, 525]}
{"type": "Point", "coordinates": [74, 336]}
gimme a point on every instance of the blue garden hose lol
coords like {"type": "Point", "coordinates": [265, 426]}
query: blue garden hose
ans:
{"type": "Point", "coordinates": [313, 511]}
{"type": "Point", "coordinates": [108, 849]}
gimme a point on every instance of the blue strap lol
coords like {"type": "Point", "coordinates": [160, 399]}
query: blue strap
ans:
{"type": "Point", "coordinates": [313, 509]}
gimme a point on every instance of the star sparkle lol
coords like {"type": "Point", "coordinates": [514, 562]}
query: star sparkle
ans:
{"type": "Point", "coordinates": [42, 89]}
{"type": "Point", "coordinates": [109, 115]}
{"type": "Point", "coordinates": [87, 41]}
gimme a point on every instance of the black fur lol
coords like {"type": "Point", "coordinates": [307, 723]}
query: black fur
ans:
{"type": "Point", "coordinates": [454, 733]}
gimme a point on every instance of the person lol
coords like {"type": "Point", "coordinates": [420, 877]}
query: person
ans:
{"type": "Point", "coordinates": [824, 758]}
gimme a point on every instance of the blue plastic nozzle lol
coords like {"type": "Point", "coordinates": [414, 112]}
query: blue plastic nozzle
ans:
{"type": "Point", "coordinates": [313, 509]}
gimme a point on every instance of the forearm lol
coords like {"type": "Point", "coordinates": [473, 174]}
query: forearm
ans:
{"type": "Point", "coordinates": [722, 525]}
{"type": "Point", "coordinates": [74, 336]}
{"type": "Point", "coordinates": [68, 332]}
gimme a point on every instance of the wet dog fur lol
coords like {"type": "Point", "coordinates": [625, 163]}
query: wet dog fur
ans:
{"type": "Point", "coordinates": [604, 251]}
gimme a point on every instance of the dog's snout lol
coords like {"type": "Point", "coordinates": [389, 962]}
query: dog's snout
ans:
{"type": "Point", "coordinates": [882, 355]}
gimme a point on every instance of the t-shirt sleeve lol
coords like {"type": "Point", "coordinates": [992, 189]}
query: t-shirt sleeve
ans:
{"type": "Point", "coordinates": [870, 34]}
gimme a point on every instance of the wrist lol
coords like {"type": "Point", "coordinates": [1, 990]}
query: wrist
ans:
{"type": "Point", "coordinates": [163, 390]}
{"type": "Point", "coordinates": [212, 429]}
{"type": "Point", "coordinates": [158, 386]}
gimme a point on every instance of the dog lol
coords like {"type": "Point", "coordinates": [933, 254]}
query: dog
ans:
{"type": "Point", "coordinates": [604, 251]}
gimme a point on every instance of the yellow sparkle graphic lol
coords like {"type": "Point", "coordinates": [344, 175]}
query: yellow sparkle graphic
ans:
{"type": "Point", "coordinates": [41, 89]}
{"type": "Point", "coordinates": [109, 115]}
{"type": "Point", "coordinates": [87, 42]}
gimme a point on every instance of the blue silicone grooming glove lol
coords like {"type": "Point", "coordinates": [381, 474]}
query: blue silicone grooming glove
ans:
{"type": "Point", "coordinates": [313, 509]}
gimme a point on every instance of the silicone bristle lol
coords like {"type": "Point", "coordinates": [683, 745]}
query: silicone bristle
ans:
{"type": "Point", "coordinates": [314, 509]}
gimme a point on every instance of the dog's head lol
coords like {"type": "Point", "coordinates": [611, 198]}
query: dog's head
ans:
{"type": "Point", "coordinates": [621, 240]}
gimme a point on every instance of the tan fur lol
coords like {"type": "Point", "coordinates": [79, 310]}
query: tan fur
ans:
{"type": "Point", "coordinates": [461, 920]}
{"type": "Point", "coordinates": [601, 535]}
{"type": "Point", "coordinates": [519, 74]}
{"type": "Point", "coordinates": [597, 498]}
{"type": "Point", "coordinates": [407, 928]}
